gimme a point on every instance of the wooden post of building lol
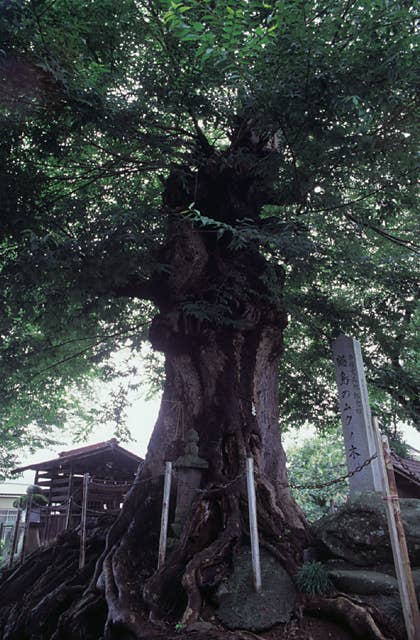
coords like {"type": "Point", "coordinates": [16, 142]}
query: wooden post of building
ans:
{"type": "Point", "coordinates": [165, 512]}
{"type": "Point", "coordinates": [397, 535]}
{"type": "Point", "coordinates": [83, 518]}
{"type": "Point", "coordinates": [15, 534]}
{"type": "Point", "coordinates": [49, 508]}
{"type": "Point", "coordinates": [68, 513]}
{"type": "Point", "coordinates": [27, 524]}
{"type": "Point", "coordinates": [253, 528]}
{"type": "Point", "coordinates": [1, 532]}
{"type": "Point", "coordinates": [69, 500]}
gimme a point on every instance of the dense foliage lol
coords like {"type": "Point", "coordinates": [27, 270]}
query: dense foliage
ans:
{"type": "Point", "coordinates": [316, 461]}
{"type": "Point", "coordinates": [100, 100]}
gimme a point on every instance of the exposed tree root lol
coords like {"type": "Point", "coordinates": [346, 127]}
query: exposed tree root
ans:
{"type": "Point", "coordinates": [247, 635]}
{"type": "Point", "coordinates": [122, 522]}
{"type": "Point", "coordinates": [119, 615]}
{"type": "Point", "coordinates": [40, 601]}
{"type": "Point", "coordinates": [358, 618]}
{"type": "Point", "coordinates": [203, 570]}
{"type": "Point", "coordinates": [200, 559]}
{"type": "Point", "coordinates": [76, 621]}
{"type": "Point", "coordinates": [57, 605]}
{"type": "Point", "coordinates": [38, 594]}
{"type": "Point", "coordinates": [283, 536]}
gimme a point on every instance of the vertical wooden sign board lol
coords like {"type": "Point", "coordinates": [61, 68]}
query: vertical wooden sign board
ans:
{"type": "Point", "coordinates": [356, 418]}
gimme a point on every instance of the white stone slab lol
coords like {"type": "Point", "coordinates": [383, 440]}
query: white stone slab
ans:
{"type": "Point", "coordinates": [355, 414]}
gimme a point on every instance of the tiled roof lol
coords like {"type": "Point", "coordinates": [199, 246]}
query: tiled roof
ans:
{"type": "Point", "coordinates": [407, 467]}
{"type": "Point", "coordinates": [90, 447]}
{"type": "Point", "coordinates": [65, 457]}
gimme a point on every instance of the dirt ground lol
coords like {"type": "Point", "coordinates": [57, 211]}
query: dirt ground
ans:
{"type": "Point", "coordinates": [309, 629]}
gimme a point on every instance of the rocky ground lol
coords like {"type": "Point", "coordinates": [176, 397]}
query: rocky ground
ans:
{"type": "Point", "coordinates": [308, 628]}
{"type": "Point", "coordinates": [351, 545]}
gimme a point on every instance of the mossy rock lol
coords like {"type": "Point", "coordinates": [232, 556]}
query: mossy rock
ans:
{"type": "Point", "coordinates": [240, 607]}
{"type": "Point", "coordinates": [358, 531]}
{"type": "Point", "coordinates": [363, 582]}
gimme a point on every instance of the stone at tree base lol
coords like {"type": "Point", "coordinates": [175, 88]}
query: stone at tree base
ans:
{"type": "Point", "coordinates": [358, 531]}
{"type": "Point", "coordinates": [363, 582]}
{"type": "Point", "coordinates": [190, 468]}
{"type": "Point", "coordinates": [242, 608]}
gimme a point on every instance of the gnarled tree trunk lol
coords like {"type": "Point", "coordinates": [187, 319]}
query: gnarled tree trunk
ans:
{"type": "Point", "coordinates": [220, 328]}
{"type": "Point", "coordinates": [221, 332]}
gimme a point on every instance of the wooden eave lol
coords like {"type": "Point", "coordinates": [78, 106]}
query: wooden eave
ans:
{"type": "Point", "coordinates": [400, 472]}
{"type": "Point", "coordinates": [71, 460]}
{"type": "Point", "coordinates": [411, 474]}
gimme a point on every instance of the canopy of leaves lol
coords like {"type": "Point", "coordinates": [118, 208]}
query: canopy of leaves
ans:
{"type": "Point", "coordinates": [315, 461]}
{"type": "Point", "coordinates": [99, 100]}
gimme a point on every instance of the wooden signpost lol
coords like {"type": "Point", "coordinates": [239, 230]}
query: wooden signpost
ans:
{"type": "Point", "coordinates": [363, 440]}
{"type": "Point", "coordinates": [397, 535]}
{"type": "Point", "coordinates": [356, 418]}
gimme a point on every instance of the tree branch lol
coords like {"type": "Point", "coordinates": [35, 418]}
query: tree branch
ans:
{"type": "Point", "coordinates": [408, 244]}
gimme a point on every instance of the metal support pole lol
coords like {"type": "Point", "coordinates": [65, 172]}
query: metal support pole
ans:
{"type": "Point", "coordinates": [27, 525]}
{"type": "Point", "coordinates": [165, 512]}
{"type": "Point", "coordinates": [397, 535]}
{"type": "Point", "coordinates": [253, 527]}
{"type": "Point", "coordinates": [82, 553]}
{"type": "Point", "coordinates": [15, 533]}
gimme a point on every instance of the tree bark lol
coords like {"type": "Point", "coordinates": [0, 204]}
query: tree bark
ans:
{"type": "Point", "coordinates": [220, 327]}
{"type": "Point", "coordinates": [221, 330]}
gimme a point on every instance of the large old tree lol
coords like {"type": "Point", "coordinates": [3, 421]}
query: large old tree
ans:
{"type": "Point", "coordinates": [202, 173]}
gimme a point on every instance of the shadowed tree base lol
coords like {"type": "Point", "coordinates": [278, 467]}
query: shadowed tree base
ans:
{"type": "Point", "coordinates": [220, 325]}
{"type": "Point", "coordinates": [48, 598]}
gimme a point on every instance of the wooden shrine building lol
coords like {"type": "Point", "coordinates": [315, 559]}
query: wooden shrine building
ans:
{"type": "Point", "coordinates": [407, 477]}
{"type": "Point", "coordinates": [111, 470]}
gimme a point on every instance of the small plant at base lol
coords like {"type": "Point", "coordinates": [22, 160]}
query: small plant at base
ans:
{"type": "Point", "coordinates": [312, 578]}
{"type": "Point", "coordinates": [179, 627]}
{"type": "Point", "coordinates": [392, 607]}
